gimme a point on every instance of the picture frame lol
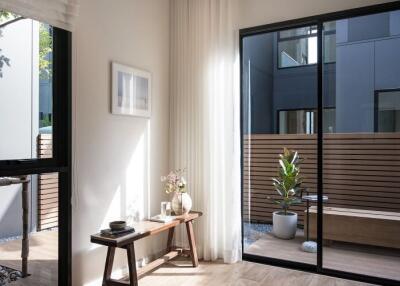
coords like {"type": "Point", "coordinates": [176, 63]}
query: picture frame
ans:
{"type": "Point", "coordinates": [131, 91]}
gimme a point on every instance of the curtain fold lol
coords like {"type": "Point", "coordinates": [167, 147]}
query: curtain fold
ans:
{"type": "Point", "coordinates": [58, 13]}
{"type": "Point", "coordinates": [205, 128]}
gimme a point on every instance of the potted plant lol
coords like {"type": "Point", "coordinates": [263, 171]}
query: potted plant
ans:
{"type": "Point", "coordinates": [288, 186]}
{"type": "Point", "coordinates": [176, 183]}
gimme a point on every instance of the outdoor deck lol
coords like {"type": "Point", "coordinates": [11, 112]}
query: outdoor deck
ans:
{"type": "Point", "coordinates": [374, 261]}
{"type": "Point", "coordinates": [43, 256]}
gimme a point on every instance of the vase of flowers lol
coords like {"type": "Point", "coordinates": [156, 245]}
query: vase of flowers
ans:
{"type": "Point", "coordinates": [175, 183]}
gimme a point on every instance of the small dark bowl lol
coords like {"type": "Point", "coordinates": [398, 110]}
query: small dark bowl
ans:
{"type": "Point", "coordinates": [117, 225]}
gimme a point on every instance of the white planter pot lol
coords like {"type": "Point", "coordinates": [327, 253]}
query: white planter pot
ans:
{"type": "Point", "coordinates": [181, 203]}
{"type": "Point", "coordinates": [284, 226]}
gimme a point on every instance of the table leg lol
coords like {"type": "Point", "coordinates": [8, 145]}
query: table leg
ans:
{"type": "Point", "coordinates": [308, 220]}
{"type": "Point", "coordinates": [109, 264]}
{"type": "Point", "coordinates": [25, 226]}
{"type": "Point", "coordinates": [133, 279]}
{"type": "Point", "coordinates": [170, 237]}
{"type": "Point", "coordinates": [192, 243]}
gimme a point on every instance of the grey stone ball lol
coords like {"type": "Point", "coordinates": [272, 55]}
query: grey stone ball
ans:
{"type": "Point", "coordinates": [309, 246]}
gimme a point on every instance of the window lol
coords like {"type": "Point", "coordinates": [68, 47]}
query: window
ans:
{"type": "Point", "coordinates": [297, 47]}
{"type": "Point", "coordinates": [305, 121]}
{"type": "Point", "coordinates": [387, 111]}
{"type": "Point", "coordinates": [297, 122]}
{"type": "Point", "coordinates": [35, 123]}
{"type": "Point", "coordinates": [329, 42]}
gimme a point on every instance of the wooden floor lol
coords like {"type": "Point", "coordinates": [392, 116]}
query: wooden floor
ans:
{"type": "Point", "coordinates": [239, 274]}
{"type": "Point", "coordinates": [374, 261]}
{"type": "Point", "coordinates": [43, 267]}
{"type": "Point", "coordinates": [43, 256]}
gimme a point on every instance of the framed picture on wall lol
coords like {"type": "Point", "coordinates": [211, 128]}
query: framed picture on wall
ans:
{"type": "Point", "coordinates": [131, 91]}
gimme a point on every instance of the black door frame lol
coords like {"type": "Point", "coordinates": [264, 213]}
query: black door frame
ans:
{"type": "Point", "coordinates": [61, 161]}
{"type": "Point", "coordinates": [275, 27]}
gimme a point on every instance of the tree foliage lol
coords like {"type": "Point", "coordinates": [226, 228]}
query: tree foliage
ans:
{"type": "Point", "coordinates": [4, 16]}
{"type": "Point", "coordinates": [45, 48]}
{"type": "Point", "coordinates": [45, 45]}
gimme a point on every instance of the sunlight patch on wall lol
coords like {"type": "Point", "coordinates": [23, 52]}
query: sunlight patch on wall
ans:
{"type": "Point", "coordinates": [114, 209]}
{"type": "Point", "coordinates": [137, 182]}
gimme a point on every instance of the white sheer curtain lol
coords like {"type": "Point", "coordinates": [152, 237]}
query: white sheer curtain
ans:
{"type": "Point", "coordinates": [58, 13]}
{"type": "Point", "coordinates": [205, 119]}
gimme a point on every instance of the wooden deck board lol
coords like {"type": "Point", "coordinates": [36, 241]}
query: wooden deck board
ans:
{"type": "Point", "coordinates": [374, 261]}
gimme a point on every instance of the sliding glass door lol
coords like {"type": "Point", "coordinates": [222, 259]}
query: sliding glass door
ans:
{"type": "Point", "coordinates": [361, 170]}
{"type": "Point", "coordinates": [279, 118]}
{"type": "Point", "coordinates": [321, 144]}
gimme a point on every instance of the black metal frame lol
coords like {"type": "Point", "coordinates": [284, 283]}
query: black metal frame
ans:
{"type": "Point", "coordinates": [275, 27]}
{"type": "Point", "coordinates": [376, 104]}
{"type": "Point", "coordinates": [61, 161]}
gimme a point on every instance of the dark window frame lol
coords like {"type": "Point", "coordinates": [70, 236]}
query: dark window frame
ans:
{"type": "Point", "coordinates": [297, 23]}
{"type": "Point", "coordinates": [376, 104]}
{"type": "Point", "coordinates": [61, 160]}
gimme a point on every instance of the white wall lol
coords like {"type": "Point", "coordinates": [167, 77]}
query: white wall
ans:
{"type": "Point", "coordinates": [118, 160]}
{"type": "Point", "coordinates": [260, 12]}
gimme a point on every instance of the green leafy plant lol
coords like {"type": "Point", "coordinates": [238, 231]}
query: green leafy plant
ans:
{"type": "Point", "coordinates": [5, 19]}
{"type": "Point", "coordinates": [288, 184]}
{"type": "Point", "coordinates": [45, 44]}
{"type": "Point", "coordinates": [45, 121]}
{"type": "Point", "coordinates": [45, 48]}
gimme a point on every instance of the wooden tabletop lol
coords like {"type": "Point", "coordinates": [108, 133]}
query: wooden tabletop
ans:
{"type": "Point", "coordinates": [142, 229]}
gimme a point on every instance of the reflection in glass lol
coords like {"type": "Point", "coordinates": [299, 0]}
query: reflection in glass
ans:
{"type": "Point", "coordinates": [279, 111]}
{"type": "Point", "coordinates": [361, 153]}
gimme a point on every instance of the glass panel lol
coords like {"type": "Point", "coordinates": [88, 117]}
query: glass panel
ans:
{"type": "Point", "coordinates": [304, 31]}
{"type": "Point", "coordinates": [25, 86]}
{"type": "Point", "coordinates": [388, 111]}
{"type": "Point", "coordinates": [362, 147]}
{"type": "Point", "coordinates": [297, 122]}
{"type": "Point", "coordinates": [279, 111]}
{"type": "Point", "coordinates": [330, 48]}
{"type": "Point", "coordinates": [42, 200]}
{"type": "Point", "coordinates": [297, 52]}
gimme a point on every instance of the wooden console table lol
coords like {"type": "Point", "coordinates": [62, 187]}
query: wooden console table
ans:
{"type": "Point", "coordinates": [144, 229]}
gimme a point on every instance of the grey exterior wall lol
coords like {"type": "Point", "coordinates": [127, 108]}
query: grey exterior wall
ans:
{"type": "Point", "coordinates": [367, 59]}
{"type": "Point", "coordinates": [258, 78]}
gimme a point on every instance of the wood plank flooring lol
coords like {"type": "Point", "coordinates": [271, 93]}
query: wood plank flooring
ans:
{"type": "Point", "coordinates": [43, 267]}
{"type": "Point", "coordinates": [238, 274]}
{"type": "Point", "coordinates": [43, 259]}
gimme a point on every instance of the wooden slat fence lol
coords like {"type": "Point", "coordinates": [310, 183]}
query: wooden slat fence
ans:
{"type": "Point", "coordinates": [47, 188]}
{"type": "Point", "coordinates": [361, 171]}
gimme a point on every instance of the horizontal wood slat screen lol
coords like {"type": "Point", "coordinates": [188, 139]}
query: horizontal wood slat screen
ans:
{"type": "Point", "coordinates": [361, 171]}
{"type": "Point", "coordinates": [47, 187]}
